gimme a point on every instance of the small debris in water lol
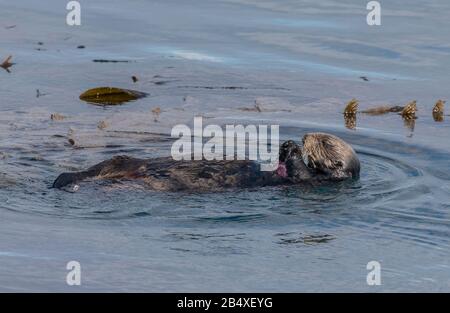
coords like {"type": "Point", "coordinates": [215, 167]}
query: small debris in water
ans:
{"type": "Point", "coordinates": [10, 27]}
{"type": "Point", "coordinates": [81, 47]}
{"type": "Point", "coordinates": [57, 117]}
{"type": "Point", "coordinates": [3, 155]}
{"type": "Point", "coordinates": [258, 106]}
{"type": "Point", "coordinates": [364, 78]}
{"type": "Point", "coordinates": [6, 181]}
{"type": "Point", "coordinates": [7, 64]}
{"type": "Point", "coordinates": [71, 141]}
{"type": "Point", "coordinates": [161, 82]}
{"type": "Point", "coordinates": [215, 87]}
{"type": "Point", "coordinates": [134, 78]}
{"type": "Point", "coordinates": [156, 112]}
{"type": "Point", "coordinates": [255, 108]}
{"type": "Point", "coordinates": [102, 125]}
{"type": "Point", "coordinates": [39, 94]}
{"type": "Point", "coordinates": [110, 61]}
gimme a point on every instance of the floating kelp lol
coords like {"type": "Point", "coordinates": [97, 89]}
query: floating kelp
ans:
{"type": "Point", "coordinates": [110, 96]}
{"type": "Point", "coordinates": [439, 107]}
{"type": "Point", "coordinates": [6, 64]}
{"type": "Point", "coordinates": [57, 117]}
{"type": "Point", "coordinates": [409, 111]}
{"type": "Point", "coordinates": [156, 112]}
{"type": "Point", "coordinates": [438, 111]}
{"type": "Point", "coordinates": [102, 125]}
{"type": "Point", "coordinates": [352, 107]}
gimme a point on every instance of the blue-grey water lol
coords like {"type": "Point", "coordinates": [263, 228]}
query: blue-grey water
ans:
{"type": "Point", "coordinates": [300, 61]}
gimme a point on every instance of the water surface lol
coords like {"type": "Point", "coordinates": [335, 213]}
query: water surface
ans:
{"type": "Point", "coordinates": [301, 61]}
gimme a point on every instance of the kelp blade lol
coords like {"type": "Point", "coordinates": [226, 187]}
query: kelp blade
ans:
{"type": "Point", "coordinates": [110, 96]}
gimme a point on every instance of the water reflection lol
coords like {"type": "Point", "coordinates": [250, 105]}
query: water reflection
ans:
{"type": "Point", "coordinates": [305, 239]}
{"type": "Point", "coordinates": [438, 117]}
{"type": "Point", "coordinates": [350, 121]}
{"type": "Point", "coordinates": [410, 123]}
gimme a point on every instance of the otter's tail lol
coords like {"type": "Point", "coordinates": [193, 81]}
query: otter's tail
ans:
{"type": "Point", "coordinates": [116, 167]}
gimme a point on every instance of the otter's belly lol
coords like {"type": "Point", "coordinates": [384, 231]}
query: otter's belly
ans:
{"type": "Point", "coordinates": [166, 174]}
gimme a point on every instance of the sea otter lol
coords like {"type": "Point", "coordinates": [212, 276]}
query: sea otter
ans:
{"type": "Point", "coordinates": [322, 157]}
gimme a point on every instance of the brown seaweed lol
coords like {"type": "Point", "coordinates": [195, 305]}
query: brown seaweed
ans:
{"type": "Point", "coordinates": [6, 64]}
{"type": "Point", "coordinates": [110, 96]}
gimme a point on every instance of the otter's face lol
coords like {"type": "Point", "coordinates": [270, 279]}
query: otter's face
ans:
{"type": "Point", "coordinates": [289, 149]}
{"type": "Point", "coordinates": [329, 155]}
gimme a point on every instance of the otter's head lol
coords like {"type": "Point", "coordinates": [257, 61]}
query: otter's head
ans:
{"type": "Point", "coordinates": [288, 150]}
{"type": "Point", "coordinates": [330, 155]}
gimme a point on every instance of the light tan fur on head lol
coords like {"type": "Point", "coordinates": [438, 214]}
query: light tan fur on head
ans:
{"type": "Point", "coordinates": [329, 154]}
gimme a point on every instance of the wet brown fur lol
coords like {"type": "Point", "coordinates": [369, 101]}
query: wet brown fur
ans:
{"type": "Point", "coordinates": [328, 158]}
{"type": "Point", "coordinates": [166, 174]}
